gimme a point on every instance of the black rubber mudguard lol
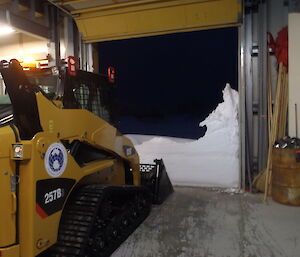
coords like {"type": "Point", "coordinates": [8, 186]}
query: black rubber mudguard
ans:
{"type": "Point", "coordinates": [155, 177]}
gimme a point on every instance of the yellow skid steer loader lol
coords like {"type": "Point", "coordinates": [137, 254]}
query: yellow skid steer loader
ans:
{"type": "Point", "coordinates": [70, 183]}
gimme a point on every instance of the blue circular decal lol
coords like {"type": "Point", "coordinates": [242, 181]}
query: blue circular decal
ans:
{"type": "Point", "coordinates": [56, 160]}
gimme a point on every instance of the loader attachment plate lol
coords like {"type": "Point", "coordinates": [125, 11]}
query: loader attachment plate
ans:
{"type": "Point", "coordinates": [155, 177]}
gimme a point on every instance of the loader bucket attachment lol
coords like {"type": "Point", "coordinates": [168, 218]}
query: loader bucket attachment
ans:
{"type": "Point", "coordinates": [155, 177]}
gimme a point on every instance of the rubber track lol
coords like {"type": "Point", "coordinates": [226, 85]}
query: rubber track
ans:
{"type": "Point", "coordinates": [84, 232]}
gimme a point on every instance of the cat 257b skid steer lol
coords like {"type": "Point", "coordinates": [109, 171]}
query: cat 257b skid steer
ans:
{"type": "Point", "coordinates": [70, 183]}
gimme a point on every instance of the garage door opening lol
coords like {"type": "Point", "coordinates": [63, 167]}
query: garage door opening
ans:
{"type": "Point", "coordinates": [166, 86]}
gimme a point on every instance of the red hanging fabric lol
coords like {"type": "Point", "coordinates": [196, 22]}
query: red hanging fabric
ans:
{"type": "Point", "coordinates": [280, 46]}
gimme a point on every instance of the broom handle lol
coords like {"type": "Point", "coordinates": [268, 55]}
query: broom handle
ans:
{"type": "Point", "coordinates": [296, 120]}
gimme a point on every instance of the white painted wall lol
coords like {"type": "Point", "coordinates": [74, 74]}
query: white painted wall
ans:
{"type": "Point", "coordinates": [294, 72]}
{"type": "Point", "coordinates": [20, 45]}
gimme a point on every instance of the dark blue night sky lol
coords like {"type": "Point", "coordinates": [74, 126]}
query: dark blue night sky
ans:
{"type": "Point", "coordinates": [168, 84]}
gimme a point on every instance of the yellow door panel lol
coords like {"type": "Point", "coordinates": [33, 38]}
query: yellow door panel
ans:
{"type": "Point", "coordinates": [12, 251]}
{"type": "Point", "coordinates": [7, 196]}
{"type": "Point", "coordinates": [145, 18]}
{"type": "Point", "coordinates": [7, 210]}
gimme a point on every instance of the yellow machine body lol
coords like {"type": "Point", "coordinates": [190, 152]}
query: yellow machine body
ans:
{"type": "Point", "coordinates": [7, 197]}
{"type": "Point", "coordinates": [67, 175]}
{"type": "Point", "coordinates": [37, 232]}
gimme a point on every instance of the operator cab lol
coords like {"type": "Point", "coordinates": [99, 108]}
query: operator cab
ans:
{"type": "Point", "coordinates": [80, 90]}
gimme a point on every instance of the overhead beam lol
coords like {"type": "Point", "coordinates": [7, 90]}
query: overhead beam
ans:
{"type": "Point", "coordinates": [24, 24]}
{"type": "Point", "coordinates": [69, 2]}
{"type": "Point", "coordinates": [29, 26]}
{"type": "Point", "coordinates": [152, 17]}
{"type": "Point", "coordinates": [141, 4]}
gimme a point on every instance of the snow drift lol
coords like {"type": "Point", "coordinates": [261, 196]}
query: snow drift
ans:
{"type": "Point", "coordinates": [209, 161]}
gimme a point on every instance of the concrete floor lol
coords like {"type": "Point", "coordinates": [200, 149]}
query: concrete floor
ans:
{"type": "Point", "coordinates": [204, 223]}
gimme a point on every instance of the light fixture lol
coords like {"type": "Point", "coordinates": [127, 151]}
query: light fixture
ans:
{"type": "Point", "coordinates": [5, 30]}
{"type": "Point", "coordinates": [18, 151]}
{"type": "Point", "coordinates": [37, 50]}
{"type": "Point", "coordinates": [28, 59]}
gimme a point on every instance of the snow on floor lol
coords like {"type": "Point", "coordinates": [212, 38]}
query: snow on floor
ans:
{"type": "Point", "coordinates": [209, 161]}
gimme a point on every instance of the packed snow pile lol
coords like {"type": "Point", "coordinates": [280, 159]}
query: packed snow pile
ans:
{"type": "Point", "coordinates": [209, 161]}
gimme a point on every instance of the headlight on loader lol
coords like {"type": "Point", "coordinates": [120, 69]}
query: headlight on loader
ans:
{"type": "Point", "coordinates": [18, 151]}
{"type": "Point", "coordinates": [21, 151]}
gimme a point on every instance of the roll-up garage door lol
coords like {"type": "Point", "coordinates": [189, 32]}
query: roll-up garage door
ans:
{"type": "Point", "coordinates": [103, 20]}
